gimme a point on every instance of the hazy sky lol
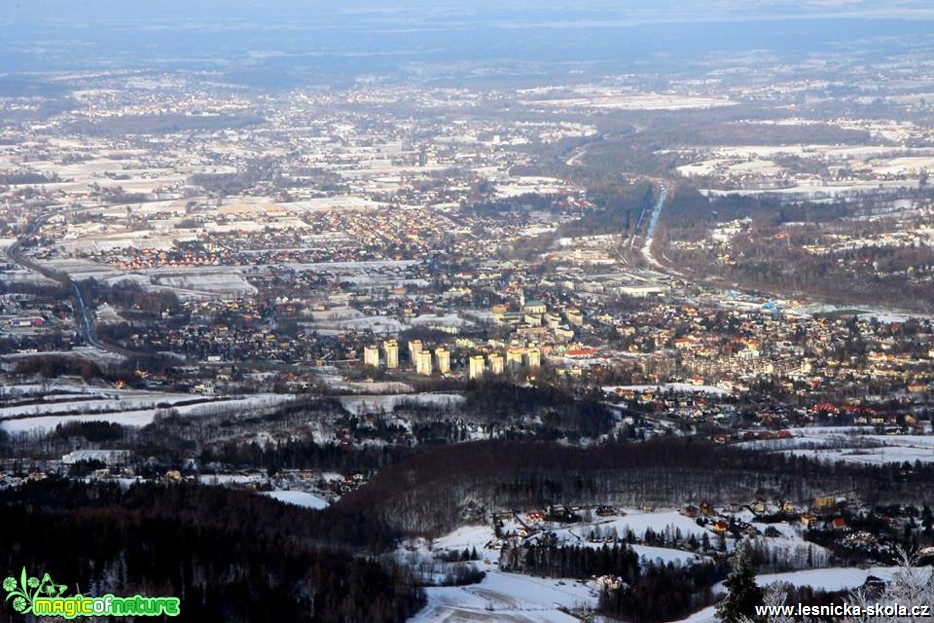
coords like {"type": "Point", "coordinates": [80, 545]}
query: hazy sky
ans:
{"type": "Point", "coordinates": [358, 36]}
{"type": "Point", "coordinates": [98, 9]}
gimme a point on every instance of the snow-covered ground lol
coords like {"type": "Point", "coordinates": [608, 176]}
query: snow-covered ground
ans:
{"type": "Point", "coordinates": [605, 98]}
{"type": "Point", "coordinates": [446, 320]}
{"type": "Point", "coordinates": [45, 424]}
{"type": "Point", "coordinates": [707, 615]}
{"type": "Point", "coordinates": [650, 554]}
{"type": "Point", "coordinates": [374, 404]}
{"type": "Point", "coordinates": [838, 579]}
{"type": "Point", "coordinates": [466, 537]}
{"type": "Point", "coordinates": [872, 456]}
{"type": "Point", "coordinates": [92, 353]}
{"type": "Point", "coordinates": [638, 522]}
{"type": "Point", "coordinates": [832, 579]}
{"type": "Point", "coordinates": [517, 598]}
{"type": "Point", "coordinates": [668, 387]}
{"type": "Point", "coordinates": [379, 325]}
{"type": "Point", "coordinates": [853, 444]}
{"type": "Point", "coordinates": [93, 405]}
{"type": "Point", "coordinates": [299, 498]}
{"type": "Point", "coordinates": [24, 276]}
{"type": "Point", "coordinates": [222, 281]}
{"type": "Point", "coordinates": [508, 598]}
{"type": "Point", "coordinates": [53, 389]}
{"type": "Point", "coordinates": [130, 412]}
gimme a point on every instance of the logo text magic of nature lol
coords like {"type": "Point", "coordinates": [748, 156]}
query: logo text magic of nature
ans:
{"type": "Point", "coordinates": [45, 598]}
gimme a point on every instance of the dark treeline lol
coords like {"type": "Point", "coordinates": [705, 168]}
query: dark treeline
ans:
{"type": "Point", "coordinates": [92, 432]}
{"type": "Point", "coordinates": [646, 593]}
{"type": "Point", "coordinates": [305, 454]}
{"type": "Point", "coordinates": [228, 555]}
{"type": "Point", "coordinates": [504, 407]}
{"type": "Point", "coordinates": [664, 593]}
{"type": "Point", "coordinates": [572, 562]}
{"type": "Point", "coordinates": [427, 493]}
{"type": "Point", "coordinates": [499, 403]}
{"type": "Point", "coordinates": [54, 366]}
{"type": "Point", "coordinates": [261, 169]}
{"type": "Point", "coordinates": [9, 178]}
{"type": "Point", "coordinates": [127, 295]}
{"type": "Point", "coordinates": [522, 203]}
{"type": "Point", "coordinates": [50, 290]}
{"type": "Point", "coordinates": [619, 206]}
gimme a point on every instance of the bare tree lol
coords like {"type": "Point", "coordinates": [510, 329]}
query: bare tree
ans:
{"type": "Point", "coordinates": [907, 598]}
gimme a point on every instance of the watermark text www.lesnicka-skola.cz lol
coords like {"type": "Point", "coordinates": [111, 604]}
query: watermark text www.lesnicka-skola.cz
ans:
{"type": "Point", "coordinates": [845, 610]}
{"type": "Point", "coordinates": [43, 597]}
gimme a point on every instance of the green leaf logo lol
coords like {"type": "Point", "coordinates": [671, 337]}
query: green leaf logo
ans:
{"type": "Point", "coordinates": [28, 588]}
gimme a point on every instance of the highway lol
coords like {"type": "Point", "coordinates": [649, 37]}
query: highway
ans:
{"type": "Point", "coordinates": [85, 322]}
{"type": "Point", "coordinates": [650, 231]}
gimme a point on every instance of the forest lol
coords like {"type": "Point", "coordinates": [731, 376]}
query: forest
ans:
{"type": "Point", "coordinates": [228, 555]}
{"type": "Point", "coordinates": [663, 592]}
{"type": "Point", "coordinates": [789, 248]}
{"type": "Point", "coordinates": [427, 493]}
{"type": "Point", "coordinates": [644, 592]}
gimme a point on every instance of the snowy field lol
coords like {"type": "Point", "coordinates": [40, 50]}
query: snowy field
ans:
{"type": "Point", "coordinates": [852, 444]}
{"type": "Point", "coordinates": [333, 322]}
{"type": "Point", "coordinates": [638, 522]}
{"type": "Point", "coordinates": [756, 159]}
{"type": "Point", "coordinates": [518, 598]}
{"type": "Point", "coordinates": [203, 281]}
{"type": "Point", "coordinates": [508, 598]}
{"type": "Point", "coordinates": [130, 408]}
{"type": "Point", "coordinates": [299, 498]}
{"type": "Point", "coordinates": [379, 325]}
{"type": "Point", "coordinates": [23, 276]}
{"type": "Point", "coordinates": [619, 99]}
{"type": "Point", "coordinates": [834, 579]}
{"type": "Point", "coordinates": [369, 387]}
{"type": "Point", "coordinates": [683, 388]}
{"type": "Point", "coordinates": [98, 355]}
{"type": "Point", "coordinates": [837, 579]}
{"type": "Point", "coordinates": [360, 405]}
{"type": "Point", "coordinates": [818, 189]}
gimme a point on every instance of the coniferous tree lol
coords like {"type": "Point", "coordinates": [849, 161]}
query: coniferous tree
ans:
{"type": "Point", "coordinates": [744, 594]}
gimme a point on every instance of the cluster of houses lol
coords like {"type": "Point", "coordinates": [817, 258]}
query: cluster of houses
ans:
{"type": "Point", "coordinates": [826, 513]}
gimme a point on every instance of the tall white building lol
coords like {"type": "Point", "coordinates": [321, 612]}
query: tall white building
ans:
{"type": "Point", "coordinates": [443, 357]}
{"type": "Point", "coordinates": [391, 348]}
{"type": "Point", "coordinates": [423, 363]}
{"type": "Point", "coordinates": [477, 365]}
{"type": "Point", "coordinates": [371, 356]}
{"type": "Point", "coordinates": [514, 357]}
{"type": "Point", "coordinates": [496, 363]}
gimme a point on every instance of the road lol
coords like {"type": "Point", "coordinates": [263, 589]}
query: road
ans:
{"type": "Point", "coordinates": [85, 321]}
{"type": "Point", "coordinates": [646, 248]}
{"type": "Point", "coordinates": [650, 231]}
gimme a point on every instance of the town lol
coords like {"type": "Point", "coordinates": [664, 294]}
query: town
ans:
{"type": "Point", "coordinates": [577, 335]}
